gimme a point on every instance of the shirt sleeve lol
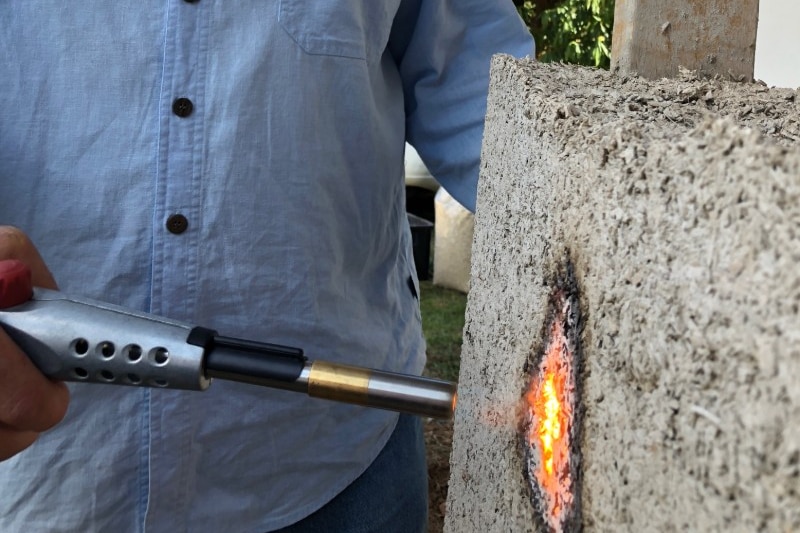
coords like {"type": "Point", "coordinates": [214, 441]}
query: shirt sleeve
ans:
{"type": "Point", "coordinates": [443, 49]}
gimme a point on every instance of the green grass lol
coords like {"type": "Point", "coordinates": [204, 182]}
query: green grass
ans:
{"type": "Point", "coordinates": [442, 323]}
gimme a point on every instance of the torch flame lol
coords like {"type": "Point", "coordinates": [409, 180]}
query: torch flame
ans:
{"type": "Point", "coordinates": [549, 402]}
{"type": "Point", "coordinates": [550, 427]}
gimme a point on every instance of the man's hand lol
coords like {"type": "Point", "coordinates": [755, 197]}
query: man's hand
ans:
{"type": "Point", "coordinates": [29, 402]}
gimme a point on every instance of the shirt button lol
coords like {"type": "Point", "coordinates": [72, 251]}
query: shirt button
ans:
{"type": "Point", "coordinates": [182, 107]}
{"type": "Point", "coordinates": [177, 224]}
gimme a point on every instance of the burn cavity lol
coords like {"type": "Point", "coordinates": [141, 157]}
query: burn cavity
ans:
{"type": "Point", "coordinates": [551, 412]}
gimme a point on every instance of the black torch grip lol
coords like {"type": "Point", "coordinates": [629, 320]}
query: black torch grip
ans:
{"type": "Point", "coordinates": [232, 358]}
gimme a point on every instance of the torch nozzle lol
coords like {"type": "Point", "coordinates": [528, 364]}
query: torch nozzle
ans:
{"type": "Point", "coordinates": [332, 381]}
{"type": "Point", "coordinates": [385, 390]}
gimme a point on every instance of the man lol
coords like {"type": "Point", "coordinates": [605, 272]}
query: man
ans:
{"type": "Point", "coordinates": [240, 166]}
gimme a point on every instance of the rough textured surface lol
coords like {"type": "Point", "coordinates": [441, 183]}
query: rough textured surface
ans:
{"type": "Point", "coordinates": [679, 203]}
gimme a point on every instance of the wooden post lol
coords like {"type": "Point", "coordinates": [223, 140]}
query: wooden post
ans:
{"type": "Point", "coordinates": [714, 37]}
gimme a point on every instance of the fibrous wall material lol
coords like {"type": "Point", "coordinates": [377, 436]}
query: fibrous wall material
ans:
{"type": "Point", "coordinates": [679, 203]}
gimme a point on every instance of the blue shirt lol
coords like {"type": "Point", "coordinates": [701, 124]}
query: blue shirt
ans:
{"type": "Point", "coordinates": [288, 167]}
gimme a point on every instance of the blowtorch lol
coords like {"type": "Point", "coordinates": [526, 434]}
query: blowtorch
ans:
{"type": "Point", "coordinates": [82, 340]}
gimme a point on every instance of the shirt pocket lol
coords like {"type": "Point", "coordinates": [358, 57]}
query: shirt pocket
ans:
{"type": "Point", "coordinates": [356, 29]}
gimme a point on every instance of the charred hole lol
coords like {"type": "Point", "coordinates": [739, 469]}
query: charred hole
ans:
{"type": "Point", "coordinates": [550, 425]}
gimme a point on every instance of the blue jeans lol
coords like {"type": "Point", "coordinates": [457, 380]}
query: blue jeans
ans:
{"type": "Point", "coordinates": [391, 496]}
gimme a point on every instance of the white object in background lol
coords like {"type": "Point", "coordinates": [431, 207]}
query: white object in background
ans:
{"type": "Point", "coordinates": [417, 174]}
{"type": "Point", "coordinates": [453, 243]}
{"type": "Point", "coordinates": [777, 61]}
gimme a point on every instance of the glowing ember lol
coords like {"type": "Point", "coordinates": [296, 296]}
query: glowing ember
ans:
{"type": "Point", "coordinates": [550, 419]}
{"type": "Point", "coordinates": [549, 425]}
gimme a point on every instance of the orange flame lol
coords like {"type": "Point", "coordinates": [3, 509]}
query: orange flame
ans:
{"type": "Point", "coordinates": [549, 425]}
{"type": "Point", "coordinates": [549, 403]}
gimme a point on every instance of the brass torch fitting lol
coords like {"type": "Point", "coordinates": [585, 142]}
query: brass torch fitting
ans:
{"type": "Point", "coordinates": [339, 382]}
{"type": "Point", "coordinates": [385, 390]}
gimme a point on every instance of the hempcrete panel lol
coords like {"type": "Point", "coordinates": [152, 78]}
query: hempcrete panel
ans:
{"type": "Point", "coordinates": [679, 203]}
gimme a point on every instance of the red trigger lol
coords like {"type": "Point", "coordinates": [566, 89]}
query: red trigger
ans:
{"type": "Point", "coordinates": [16, 286]}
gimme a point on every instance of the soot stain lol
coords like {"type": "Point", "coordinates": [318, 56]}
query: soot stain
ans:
{"type": "Point", "coordinates": [564, 289]}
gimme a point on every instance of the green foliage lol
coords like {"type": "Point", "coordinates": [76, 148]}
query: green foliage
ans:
{"type": "Point", "coordinates": [442, 322]}
{"type": "Point", "coordinates": [572, 31]}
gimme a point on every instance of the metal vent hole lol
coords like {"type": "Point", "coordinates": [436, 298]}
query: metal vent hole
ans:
{"type": "Point", "coordinates": [80, 346]}
{"type": "Point", "coordinates": [80, 373]}
{"type": "Point", "coordinates": [133, 352]}
{"type": "Point", "coordinates": [134, 379]}
{"type": "Point", "coordinates": [107, 375]}
{"type": "Point", "coordinates": [106, 349]}
{"type": "Point", "coordinates": [160, 356]}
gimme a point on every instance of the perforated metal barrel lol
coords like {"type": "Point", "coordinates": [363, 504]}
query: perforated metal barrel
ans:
{"type": "Point", "coordinates": [75, 339]}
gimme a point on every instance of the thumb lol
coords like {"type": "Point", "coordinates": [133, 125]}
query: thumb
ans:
{"type": "Point", "coordinates": [14, 244]}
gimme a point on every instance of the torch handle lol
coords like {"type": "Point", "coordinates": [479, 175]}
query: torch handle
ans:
{"type": "Point", "coordinates": [77, 339]}
{"type": "Point", "coordinates": [83, 340]}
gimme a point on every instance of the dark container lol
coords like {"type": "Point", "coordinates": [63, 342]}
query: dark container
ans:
{"type": "Point", "coordinates": [421, 231]}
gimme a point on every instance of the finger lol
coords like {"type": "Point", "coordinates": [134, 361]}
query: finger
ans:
{"type": "Point", "coordinates": [16, 285]}
{"type": "Point", "coordinates": [29, 401]}
{"type": "Point", "coordinates": [14, 244]}
{"type": "Point", "coordinates": [13, 442]}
